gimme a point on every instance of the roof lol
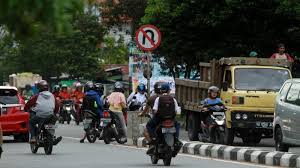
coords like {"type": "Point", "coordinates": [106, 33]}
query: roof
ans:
{"type": "Point", "coordinates": [259, 66]}
{"type": "Point", "coordinates": [254, 61]}
{"type": "Point", "coordinates": [8, 87]}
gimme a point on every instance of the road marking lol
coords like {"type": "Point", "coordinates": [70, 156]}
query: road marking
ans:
{"type": "Point", "coordinates": [185, 155]}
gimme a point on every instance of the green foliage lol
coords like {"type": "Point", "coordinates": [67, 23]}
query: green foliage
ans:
{"type": "Point", "coordinates": [114, 52]}
{"type": "Point", "coordinates": [24, 17]}
{"type": "Point", "coordinates": [195, 31]}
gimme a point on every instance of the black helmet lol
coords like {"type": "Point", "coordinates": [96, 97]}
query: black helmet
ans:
{"type": "Point", "coordinates": [118, 87]}
{"type": "Point", "coordinates": [157, 87]}
{"type": "Point", "coordinates": [99, 87]}
{"type": "Point", "coordinates": [89, 86]}
{"type": "Point", "coordinates": [42, 85]}
{"type": "Point", "coordinates": [27, 87]}
{"type": "Point", "coordinates": [141, 88]}
{"type": "Point", "coordinates": [165, 87]}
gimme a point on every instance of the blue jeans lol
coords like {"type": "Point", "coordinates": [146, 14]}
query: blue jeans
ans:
{"type": "Point", "coordinates": [153, 123]}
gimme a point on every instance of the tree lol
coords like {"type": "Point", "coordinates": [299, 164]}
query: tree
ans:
{"type": "Point", "coordinates": [194, 31]}
{"type": "Point", "coordinates": [25, 17]}
{"type": "Point", "coordinates": [114, 52]}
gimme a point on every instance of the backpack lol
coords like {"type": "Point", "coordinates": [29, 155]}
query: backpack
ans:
{"type": "Point", "coordinates": [166, 107]}
{"type": "Point", "coordinates": [89, 103]}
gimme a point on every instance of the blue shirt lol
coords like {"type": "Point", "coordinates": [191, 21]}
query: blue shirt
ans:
{"type": "Point", "coordinates": [99, 102]}
{"type": "Point", "coordinates": [209, 101]}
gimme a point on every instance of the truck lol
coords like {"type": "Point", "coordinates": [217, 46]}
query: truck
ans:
{"type": "Point", "coordinates": [248, 87]}
{"type": "Point", "coordinates": [21, 79]}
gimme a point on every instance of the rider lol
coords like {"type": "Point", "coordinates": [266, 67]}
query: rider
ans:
{"type": "Point", "coordinates": [150, 104]}
{"type": "Point", "coordinates": [78, 93]}
{"type": "Point", "coordinates": [44, 105]}
{"type": "Point", "coordinates": [56, 90]}
{"type": "Point", "coordinates": [92, 97]}
{"type": "Point", "coordinates": [213, 93]}
{"type": "Point", "coordinates": [64, 94]}
{"type": "Point", "coordinates": [140, 94]}
{"type": "Point", "coordinates": [27, 92]}
{"type": "Point", "coordinates": [117, 102]}
{"type": "Point", "coordinates": [164, 105]}
{"type": "Point", "coordinates": [100, 89]}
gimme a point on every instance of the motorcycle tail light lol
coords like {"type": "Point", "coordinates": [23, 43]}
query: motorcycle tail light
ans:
{"type": "Point", "coordinates": [106, 114]}
{"type": "Point", "coordinates": [168, 123]}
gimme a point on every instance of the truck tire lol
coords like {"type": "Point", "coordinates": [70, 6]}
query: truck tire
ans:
{"type": "Point", "coordinates": [229, 136]}
{"type": "Point", "coordinates": [193, 127]}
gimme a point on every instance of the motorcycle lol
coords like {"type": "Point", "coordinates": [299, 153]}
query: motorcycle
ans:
{"type": "Point", "coordinates": [135, 105]}
{"type": "Point", "coordinates": [91, 126]}
{"type": "Point", "coordinates": [214, 131]}
{"type": "Point", "coordinates": [67, 111]}
{"type": "Point", "coordinates": [45, 136]}
{"type": "Point", "coordinates": [110, 125]}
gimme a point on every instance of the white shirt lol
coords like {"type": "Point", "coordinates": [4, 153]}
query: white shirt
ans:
{"type": "Point", "coordinates": [139, 97]}
{"type": "Point", "coordinates": [156, 103]}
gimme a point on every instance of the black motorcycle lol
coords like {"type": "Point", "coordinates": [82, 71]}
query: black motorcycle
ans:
{"type": "Point", "coordinates": [91, 125]}
{"type": "Point", "coordinates": [214, 130]}
{"type": "Point", "coordinates": [67, 111]}
{"type": "Point", "coordinates": [45, 136]}
{"type": "Point", "coordinates": [110, 131]}
{"type": "Point", "coordinates": [166, 145]}
{"type": "Point", "coordinates": [135, 105]}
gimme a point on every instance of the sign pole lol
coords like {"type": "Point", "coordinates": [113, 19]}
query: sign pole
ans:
{"type": "Point", "coordinates": [148, 72]}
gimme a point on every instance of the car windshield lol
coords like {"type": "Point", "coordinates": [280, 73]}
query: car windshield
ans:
{"type": "Point", "coordinates": [260, 79]}
{"type": "Point", "coordinates": [9, 96]}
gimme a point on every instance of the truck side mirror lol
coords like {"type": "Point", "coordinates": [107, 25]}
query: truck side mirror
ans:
{"type": "Point", "coordinates": [225, 86]}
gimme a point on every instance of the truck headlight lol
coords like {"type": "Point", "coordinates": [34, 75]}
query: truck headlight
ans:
{"type": "Point", "coordinates": [237, 116]}
{"type": "Point", "coordinates": [245, 116]}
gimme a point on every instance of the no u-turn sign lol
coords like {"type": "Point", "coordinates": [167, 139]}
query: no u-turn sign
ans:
{"type": "Point", "coordinates": [148, 37]}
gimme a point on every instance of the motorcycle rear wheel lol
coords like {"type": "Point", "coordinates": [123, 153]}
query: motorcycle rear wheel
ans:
{"type": "Point", "coordinates": [91, 137]}
{"type": "Point", "coordinates": [106, 136]}
{"type": "Point", "coordinates": [168, 157]}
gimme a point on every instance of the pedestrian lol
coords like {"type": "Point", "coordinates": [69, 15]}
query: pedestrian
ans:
{"type": "Point", "coordinates": [281, 54]}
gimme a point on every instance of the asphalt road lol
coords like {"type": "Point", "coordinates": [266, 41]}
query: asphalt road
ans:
{"type": "Point", "coordinates": [77, 132]}
{"type": "Point", "coordinates": [71, 154]}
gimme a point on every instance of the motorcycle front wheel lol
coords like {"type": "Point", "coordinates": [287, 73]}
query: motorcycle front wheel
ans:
{"type": "Point", "coordinates": [48, 149]}
{"type": "Point", "coordinates": [154, 159]}
{"type": "Point", "coordinates": [34, 147]}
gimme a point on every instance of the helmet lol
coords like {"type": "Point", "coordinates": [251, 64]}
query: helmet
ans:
{"type": "Point", "coordinates": [89, 85]}
{"type": "Point", "coordinates": [141, 88]}
{"type": "Point", "coordinates": [165, 87]}
{"type": "Point", "coordinates": [253, 54]}
{"type": "Point", "coordinates": [157, 87]}
{"type": "Point", "coordinates": [213, 89]}
{"type": "Point", "coordinates": [56, 88]}
{"type": "Point", "coordinates": [78, 85]}
{"type": "Point", "coordinates": [99, 87]}
{"type": "Point", "coordinates": [118, 85]}
{"type": "Point", "coordinates": [64, 86]}
{"type": "Point", "coordinates": [42, 85]}
{"type": "Point", "coordinates": [27, 87]}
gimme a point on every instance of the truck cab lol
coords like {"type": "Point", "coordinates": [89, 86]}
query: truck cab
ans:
{"type": "Point", "coordinates": [248, 89]}
{"type": "Point", "coordinates": [249, 93]}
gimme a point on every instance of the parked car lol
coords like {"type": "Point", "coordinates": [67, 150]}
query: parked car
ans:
{"type": "Point", "coordinates": [14, 120]}
{"type": "Point", "coordinates": [287, 116]}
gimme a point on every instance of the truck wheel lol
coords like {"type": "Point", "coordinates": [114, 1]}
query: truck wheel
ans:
{"type": "Point", "coordinates": [229, 136]}
{"type": "Point", "coordinates": [279, 145]}
{"type": "Point", "coordinates": [193, 127]}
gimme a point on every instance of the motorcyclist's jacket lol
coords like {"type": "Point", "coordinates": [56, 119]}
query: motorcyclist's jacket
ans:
{"type": "Point", "coordinates": [44, 104]}
{"type": "Point", "coordinates": [209, 101]}
{"type": "Point", "coordinates": [117, 101]}
{"type": "Point", "coordinates": [92, 101]}
{"type": "Point", "coordinates": [64, 95]}
{"type": "Point", "coordinates": [165, 105]}
{"type": "Point", "coordinates": [77, 95]}
{"type": "Point", "coordinates": [141, 98]}
{"type": "Point", "coordinates": [151, 100]}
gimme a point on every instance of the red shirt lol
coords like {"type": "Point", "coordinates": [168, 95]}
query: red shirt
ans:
{"type": "Point", "coordinates": [78, 95]}
{"type": "Point", "coordinates": [284, 56]}
{"type": "Point", "coordinates": [64, 95]}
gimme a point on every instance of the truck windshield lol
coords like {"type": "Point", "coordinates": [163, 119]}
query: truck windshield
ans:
{"type": "Point", "coordinates": [260, 79]}
{"type": "Point", "coordinates": [8, 96]}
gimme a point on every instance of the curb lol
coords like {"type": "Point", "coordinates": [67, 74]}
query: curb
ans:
{"type": "Point", "coordinates": [242, 154]}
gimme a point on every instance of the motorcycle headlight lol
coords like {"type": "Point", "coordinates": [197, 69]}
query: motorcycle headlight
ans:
{"type": "Point", "coordinates": [245, 116]}
{"type": "Point", "coordinates": [237, 116]}
{"type": "Point", "coordinates": [68, 108]}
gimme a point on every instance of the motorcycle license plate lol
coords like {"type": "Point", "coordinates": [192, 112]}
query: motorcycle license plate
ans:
{"type": "Point", "coordinates": [218, 113]}
{"type": "Point", "coordinates": [168, 130]}
{"type": "Point", "coordinates": [87, 121]}
{"type": "Point", "coordinates": [104, 121]}
{"type": "Point", "coordinates": [50, 126]}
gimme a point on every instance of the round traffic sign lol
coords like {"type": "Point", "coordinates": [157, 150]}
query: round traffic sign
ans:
{"type": "Point", "coordinates": [148, 37]}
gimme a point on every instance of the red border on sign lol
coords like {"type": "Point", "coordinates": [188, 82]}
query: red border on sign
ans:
{"type": "Point", "coordinates": [137, 35]}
